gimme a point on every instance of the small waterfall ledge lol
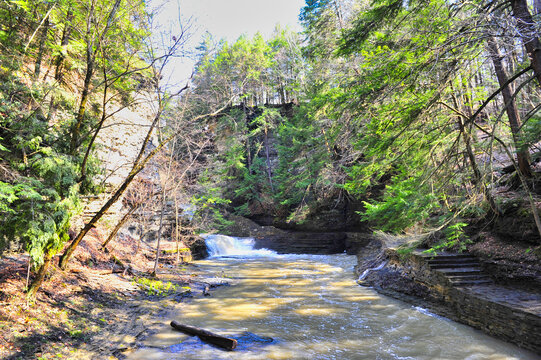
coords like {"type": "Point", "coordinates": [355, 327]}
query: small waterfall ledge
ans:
{"type": "Point", "coordinates": [223, 245]}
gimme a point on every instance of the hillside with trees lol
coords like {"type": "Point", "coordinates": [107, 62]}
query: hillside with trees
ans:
{"type": "Point", "coordinates": [426, 113]}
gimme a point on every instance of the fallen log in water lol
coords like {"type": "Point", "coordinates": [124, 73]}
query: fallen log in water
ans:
{"type": "Point", "coordinates": [215, 339]}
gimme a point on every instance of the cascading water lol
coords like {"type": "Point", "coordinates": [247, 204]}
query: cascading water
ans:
{"type": "Point", "coordinates": [222, 245]}
{"type": "Point", "coordinates": [367, 271]}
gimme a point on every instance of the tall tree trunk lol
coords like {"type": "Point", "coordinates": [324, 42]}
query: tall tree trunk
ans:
{"type": "Point", "coordinates": [248, 155]}
{"type": "Point", "coordinates": [96, 132]}
{"type": "Point", "coordinates": [41, 47]}
{"type": "Point", "coordinates": [282, 93]}
{"type": "Point", "coordinates": [527, 28]}
{"type": "Point", "coordinates": [523, 158]}
{"type": "Point", "coordinates": [338, 14]}
{"type": "Point", "coordinates": [160, 232]}
{"type": "Point", "coordinates": [177, 232]}
{"type": "Point", "coordinates": [91, 42]}
{"type": "Point", "coordinates": [59, 61]}
{"type": "Point", "coordinates": [66, 33]}
{"type": "Point", "coordinates": [267, 154]}
{"type": "Point", "coordinates": [89, 73]}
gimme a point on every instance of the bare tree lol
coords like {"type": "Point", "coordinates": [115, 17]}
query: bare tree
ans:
{"type": "Point", "coordinates": [162, 100]}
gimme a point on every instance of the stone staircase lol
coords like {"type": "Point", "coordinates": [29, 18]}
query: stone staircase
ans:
{"type": "Point", "coordinates": [459, 269]}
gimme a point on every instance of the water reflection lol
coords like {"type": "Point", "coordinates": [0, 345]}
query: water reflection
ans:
{"type": "Point", "coordinates": [312, 309]}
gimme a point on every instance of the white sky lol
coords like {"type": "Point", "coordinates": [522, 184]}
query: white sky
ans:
{"type": "Point", "coordinates": [227, 19]}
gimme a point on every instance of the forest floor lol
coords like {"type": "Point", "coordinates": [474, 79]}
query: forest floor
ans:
{"type": "Point", "coordinates": [94, 310]}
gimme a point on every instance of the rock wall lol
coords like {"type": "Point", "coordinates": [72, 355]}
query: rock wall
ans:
{"type": "Point", "coordinates": [506, 322]}
{"type": "Point", "coordinates": [304, 243]}
{"type": "Point", "coordinates": [117, 146]}
{"type": "Point", "coordinates": [288, 241]}
{"type": "Point", "coordinates": [342, 217]}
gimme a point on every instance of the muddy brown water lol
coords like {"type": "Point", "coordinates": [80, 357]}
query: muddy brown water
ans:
{"type": "Point", "coordinates": [310, 307]}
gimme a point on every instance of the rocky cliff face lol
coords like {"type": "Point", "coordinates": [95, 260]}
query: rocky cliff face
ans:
{"type": "Point", "coordinates": [117, 146]}
{"type": "Point", "coordinates": [292, 241]}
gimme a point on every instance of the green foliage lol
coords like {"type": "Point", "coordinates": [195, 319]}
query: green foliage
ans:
{"type": "Point", "coordinates": [455, 239]}
{"type": "Point", "coordinates": [39, 197]}
{"type": "Point", "coordinates": [531, 132]}
{"type": "Point", "coordinates": [251, 71]}
{"type": "Point", "coordinates": [158, 287]}
{"type": "Point", "coordinates": [34, 217]}
{"type": "Point", "coordinates": [369, 22]}
{"type": "Point", "coordinates": [208, 203]}
{"type": "Point", "coordinates": [404, 203]}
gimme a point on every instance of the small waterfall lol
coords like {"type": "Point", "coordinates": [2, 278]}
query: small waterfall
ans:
{"type": "Point", "coordinates": [222, 245]}
{"type": "Point", "coordinates": [367, 271]}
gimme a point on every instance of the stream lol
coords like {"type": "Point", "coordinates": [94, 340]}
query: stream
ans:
{"type": "Point", "coordinates": [309, 307]}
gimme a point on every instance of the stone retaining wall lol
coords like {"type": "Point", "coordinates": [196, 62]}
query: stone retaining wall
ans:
{"type": "Point", "coordinates": [504, 322]}
{"type": "Point", "coordinates": [509, 314]}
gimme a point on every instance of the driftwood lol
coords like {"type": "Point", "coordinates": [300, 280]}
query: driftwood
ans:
{"type": "Point", "coordinates": [207, 336]}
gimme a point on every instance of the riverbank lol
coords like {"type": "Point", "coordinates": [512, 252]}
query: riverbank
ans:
{"type": "Point", "coordinates": [496, 290]}
{"type": "Point", "coordinates": [97, 309]}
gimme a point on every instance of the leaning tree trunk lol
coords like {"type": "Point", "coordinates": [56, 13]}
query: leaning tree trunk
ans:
{"type": "Point", "coordinates": [476, 172]}
{"type": "Point", "coordinates": [40, 275]}
{"type": "Point", "coordinates": [71, 248]}
{"type": "Point", "coordinates": [523, 158]}
{"type": "Point", "coordinates": [121, 223]}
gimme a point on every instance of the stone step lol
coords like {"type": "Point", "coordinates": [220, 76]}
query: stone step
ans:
{"type": "Point", "coordinates": [467, 276]}
{"type": "Point", "coordinates": [450, 257]}
{"type": "Point", "coordinates": [451, 260]}
{"type": "Point", "coordinates": [469, 264]}
{"type": "Point", "coordinates": [474, 280]}
{"type": "Point", "coordinates": [460, 271]}
{"type": "Point", "coordinates": [471, 282]}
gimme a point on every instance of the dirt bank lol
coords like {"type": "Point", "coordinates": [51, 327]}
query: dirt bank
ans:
{"type": "Point", "coordinates": [95, 310]}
